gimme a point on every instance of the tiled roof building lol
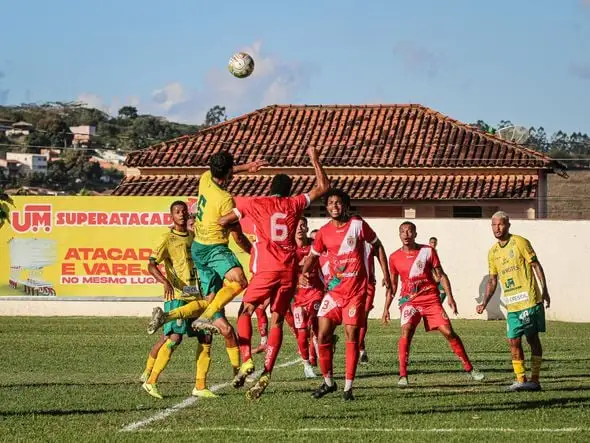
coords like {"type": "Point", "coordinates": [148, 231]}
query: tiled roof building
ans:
{"type": "Point", "coordinates": [393, 160]}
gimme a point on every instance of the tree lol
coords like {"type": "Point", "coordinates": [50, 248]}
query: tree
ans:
{"type": "Point", "coordinates": [128, 112]}
{"type": "Point", "coordinates": [215, 115]}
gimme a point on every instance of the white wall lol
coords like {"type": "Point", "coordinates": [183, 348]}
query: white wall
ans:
{"type": "Point", "coordinates": [563, 248]}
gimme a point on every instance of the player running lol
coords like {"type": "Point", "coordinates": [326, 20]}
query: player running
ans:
{"type": "Point", "coordinates": [416, 265]}
{"type": "Point", "coordinates": [515, 261]}
{"type": "Point", "coordinates": [216, 264]}
{"type": "Point", "coordinates": [307, 300]}
{"type": "Point", "coordinates": [343, 238]}
{"type": "Point", "coordinates": [275, 219]}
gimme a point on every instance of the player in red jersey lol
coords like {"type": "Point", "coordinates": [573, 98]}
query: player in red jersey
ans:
{"type": "Point", "coordinates": [417, 266]}
{"type": "Point", "coordinates": [343, 237]}
{"type": "Point", "coordinates": [275, 220]}
{"type": "Point", "coordinates": [370, 254]}
{"type": "Point", "coordinates": [307, 300]}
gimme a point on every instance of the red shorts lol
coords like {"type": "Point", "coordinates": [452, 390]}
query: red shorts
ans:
{"type": "Point", "coordinates": [276, 286]}
{"type": "Point", "coordinates": [370, 298]}
{"type": "Point", "coordinates": [348, 312]}
{"type": "Point", "coordinates": [305, 310]}
{"type": "Point", "coordinates": [433, 313]}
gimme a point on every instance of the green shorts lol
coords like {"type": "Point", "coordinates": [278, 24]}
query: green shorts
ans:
{"type": "Point", "coordinates": [527, 322]}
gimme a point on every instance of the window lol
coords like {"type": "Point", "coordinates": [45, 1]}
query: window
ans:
{"type": "Point", "coordinates": [467, 212]}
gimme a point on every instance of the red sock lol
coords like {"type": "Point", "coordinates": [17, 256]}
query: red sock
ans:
{"type": "Point", "coordinates": [245, 336]}
{"type": "Point", "coordinates": [275, 340]}
{"type": "Point", "coordinates": [362, 333]}
{"type": "Point", "coordinates": [311, 350]}
{"type": "Point", "coordinates": [403, 350]}
{"type": "Point", "coordinates": [291, 322]}
{"type": "Point", "coordinates": [325, 351]}
{"type": "Point", "coordinates": [459, 350]}
{"type": "Point", "coordinates": [352, 359]}
{"type": "Point", "coordinates": [262, 321]}
{"type": "Point", "coordinates": [302, 343]}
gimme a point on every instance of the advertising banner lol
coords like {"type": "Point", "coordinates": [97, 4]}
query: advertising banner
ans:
{"type": "Point", "coordinates": [84, 246]}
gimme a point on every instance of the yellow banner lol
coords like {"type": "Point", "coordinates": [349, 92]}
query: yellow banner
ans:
{"type": "Point", "coordinates": [84, 246]}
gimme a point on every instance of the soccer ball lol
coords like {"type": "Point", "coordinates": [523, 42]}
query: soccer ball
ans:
{"type": "Point", "coordinates": [241, 65]}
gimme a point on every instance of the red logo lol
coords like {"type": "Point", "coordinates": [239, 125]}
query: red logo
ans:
{"type": "Point", "coordinates": [33, 218]}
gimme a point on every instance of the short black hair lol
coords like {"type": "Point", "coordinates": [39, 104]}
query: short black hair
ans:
{"type": "Point", "coordinates": [304, 219]}
{"type": "Point", "coordinates": [281, 185]}
{"type": "Point", "coordinates": [220, 164]}
{"type": "Point", "coordinates": [408, 223]}
{"type": "Point", "coordinates": [338, 193]}
{"type": "Point", "coordinates": [178, 203]}
{"type": "Point", "coordinates": [433, 238]}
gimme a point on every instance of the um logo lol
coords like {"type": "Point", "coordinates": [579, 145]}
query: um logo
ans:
{"type": "Point", "coordinates": [33, 218]}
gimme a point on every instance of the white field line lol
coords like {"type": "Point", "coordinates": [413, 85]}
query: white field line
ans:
{"type": "Point", "coordinates": [189, 401]}
{"type": "Point", "coordinates": [366, 430]}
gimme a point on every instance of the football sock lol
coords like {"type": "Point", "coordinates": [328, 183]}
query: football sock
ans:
{"type": "Point", "coordinates": [275, 340]}
{"type": "Point", "coordinates": [519, 370]}
{"type": "Point", "coordinates": [162, 360]}
{"type": "Point", "coordinates": [291, 322]}
{"type": "Point", "coordinates": [536, 361]}
{"type": "Point", "coordinates": [192, 309]}
{"type": "Point", "coordinates": [203, 362]}
{"type": "Point", "coordinates": [262, 321]}
{"type": "Point", "coordinates": [459, 350]}
{"type": "Point", "coordinates": [352, 359]}
{"type": "Point", "coordinates": [245, 336]}
{"type": "Point", "coordinates": [325, 358]}
{"type": "Point", "coordinates": [226, 294]}
{"type": "Point", "coordinates": [150, 364]}
{"type": "Point", "coordinates": [362, 333]}
{"type": "Point", "coordinates": [403, 351]}
{"type": "Point", "coordinates": [302, 343]}
{"type": "Point", "coordinates": [234, 356]}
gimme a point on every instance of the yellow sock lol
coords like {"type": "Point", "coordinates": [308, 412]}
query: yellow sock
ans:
{"type": "Point", "coordinates": [162, 360]}
{"type": "Point", "coordinates": [192, 309]}
{"type": "Point", "coordinates": [227, 293]}
{"type": "Point", "coordinates": [519, 370]}
{"type": "Point", "coordinates": [202, 367]}
{"type": "Point", "coordinates": [234, 356]}
{"type": "Point", "coordinates": [536, 361]}
{"type": "Point", "coordinates": [150, 364]}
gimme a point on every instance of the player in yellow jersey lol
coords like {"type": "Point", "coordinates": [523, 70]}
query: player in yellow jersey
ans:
{"type": "Point", "coordinates": [180, 287]}
{"type": "Point", "coordinates": [513, 260]}
{"type": "Point", "coordinates": [216, 264]}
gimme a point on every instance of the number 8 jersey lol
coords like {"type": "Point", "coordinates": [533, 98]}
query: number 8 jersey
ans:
{"type": "Point", "coordinates": [274, 220]}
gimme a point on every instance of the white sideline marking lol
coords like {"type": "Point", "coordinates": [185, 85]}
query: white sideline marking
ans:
{"type": "Point", "coordinates": [189, 401]}
{"type": "Point", "coordinates": [368, 430]}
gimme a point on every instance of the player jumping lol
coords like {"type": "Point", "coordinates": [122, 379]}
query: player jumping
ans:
{"type": "Point", "coordinates": [416, 265]}
{"type": "Point", "coordinates": [515, 261]}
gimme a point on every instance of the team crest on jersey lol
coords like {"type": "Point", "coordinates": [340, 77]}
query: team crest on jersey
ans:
{"type": "Point", "coordinates": [350, 241]}
{"type": "Point", "coordinates": [316, 306]}
{"type": "Point", "coordinates": [420, 265]}
{"type": "Point", "coordinates": [352, 311]}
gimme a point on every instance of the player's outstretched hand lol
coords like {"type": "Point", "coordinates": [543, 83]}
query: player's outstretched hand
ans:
{"type": "Point", "coordinates": [453, 305]}
{"type": "Point", "coordinates": [256, 165]}
{"type": "Point", "coordinates": [385, 318]}
{"type": "Point", "coordinates": [168, 291]}
{"type": "Point", "coordinates": [312, 152]}
{"type": "Point", "coordinates": [480, 308]}
{"type": "Point", "coordinates": [386, 283]}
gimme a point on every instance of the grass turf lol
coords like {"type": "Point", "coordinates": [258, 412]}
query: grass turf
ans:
{"type": "Point", "coordinates": [77, 379]}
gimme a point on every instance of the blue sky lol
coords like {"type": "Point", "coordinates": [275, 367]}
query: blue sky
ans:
{"type": "Point", "coordinates": [523, 60]}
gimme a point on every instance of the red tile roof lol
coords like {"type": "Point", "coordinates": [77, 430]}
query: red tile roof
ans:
{"type": "Point", "coordinates": [359, 187]}
{"type": "Point", "coordinates": [386, 136]}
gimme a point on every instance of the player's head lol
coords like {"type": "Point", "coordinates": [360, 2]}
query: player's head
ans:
{"type": "Point", "coordinates": [313, 233]}
{"type": "Point", "coordinates": [221, 165]}
{"type": "Point", "coordinates": [281, 185]}
{"type": "Point", "coordinates": [407, 233]}
{"type": "Point", "coordinates": [500, 225]}
{"type": "Point", "coordinates": [433, 242]}
{"type": "Point", "coordinates": [179, 213]}
{"type": "Point", "coordinates": [302, 228]}
{"type": "Point", "coordinates": [337, 203]}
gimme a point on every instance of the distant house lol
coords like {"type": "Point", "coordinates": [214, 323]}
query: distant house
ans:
{"type": "Point", "coordinates": [5, 125]}
{"type": "Point", "coordinates": [20, 129]}
{"type": "Point", "coordinates": [52, 154]}
{"type": "Point", "coordinates": [29, 163]}
{"type": "Point", "coordinates": [82, 135]}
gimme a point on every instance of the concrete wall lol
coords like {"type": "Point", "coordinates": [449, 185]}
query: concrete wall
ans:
{"type": "Point", "coordinates": [563, 247]}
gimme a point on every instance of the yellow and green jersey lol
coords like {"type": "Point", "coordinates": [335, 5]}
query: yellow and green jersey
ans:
{"type": "Point", "coordinates": [214, 202]}
{"type": "Point", "coordinates": [174, 250]}
{"type": "Point", "coordinates": [512, 264]}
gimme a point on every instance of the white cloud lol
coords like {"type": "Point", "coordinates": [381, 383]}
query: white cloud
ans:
{"type": "Point", "coordinates": [110, 107]}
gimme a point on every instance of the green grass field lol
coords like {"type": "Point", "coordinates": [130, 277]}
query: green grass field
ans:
{"type": "Point", "coordinates": [67, 379]}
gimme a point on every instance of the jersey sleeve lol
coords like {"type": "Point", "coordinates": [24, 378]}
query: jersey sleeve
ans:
{"type": "Point", "coordinates": [434, 259]}
{"type": "Point", "coordinates": [226, 205]}
{"type": "Point", "coordinates": [301, 202]}
{"type": "Point", "coordinates": [160, 251]}
{"type": "Point", "coordinates": [492, 270]}
{"type": "Point", "coordinates": [526, 249]}
{"type": "Point", "coordinates": [367, 233]}
{"type": "Point", "coordinates": [318, 247]}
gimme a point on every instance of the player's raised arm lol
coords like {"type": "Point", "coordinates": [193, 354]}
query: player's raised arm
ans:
{"type": "Point", "coordinates": [322, 182]}
{"type": "Point", "coordinates": [251, 167]}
